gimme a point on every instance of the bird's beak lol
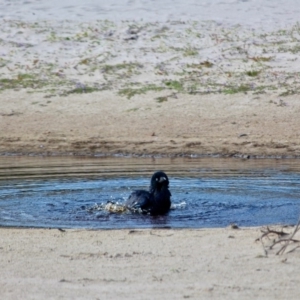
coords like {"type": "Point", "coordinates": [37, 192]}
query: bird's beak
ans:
{"type": "Point", "coordinates": [162, 179]}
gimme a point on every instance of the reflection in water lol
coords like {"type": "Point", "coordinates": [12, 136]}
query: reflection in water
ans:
{"type": "Point", "coordinates": [74, 192]}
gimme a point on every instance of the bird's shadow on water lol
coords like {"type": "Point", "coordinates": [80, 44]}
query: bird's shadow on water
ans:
{"type": "Point", "coordinates": [160, 221]}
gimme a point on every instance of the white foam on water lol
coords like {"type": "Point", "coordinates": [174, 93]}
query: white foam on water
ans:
{"type": "Point", "coordinates": [180, 205]}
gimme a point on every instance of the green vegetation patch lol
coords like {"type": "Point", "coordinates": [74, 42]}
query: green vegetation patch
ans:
{"type": "Point", "coordinates": [261, 58]}
{"type": "Point", "coordinates": [161, 99]}
{"type": "Point", "coordinates": [189, 51]}
{"type": "Point", "coordinates": [237, 89]}
{"type": "Point", "coordinates": [289, 93]}
{"type": "Point", "coordinates": [206, 64]}
{"type": "Point", "coordinates": [175, 85]}
{"type": "Point", "coordinates": [125, 66]}
{"type": "Point", "coordinates": [295, 49]}
{"type": "Point", "coordinates": [21, 81]}
{"type": "Point", "coordinates": [81, 90]}
{"type": "Point", "coordinates": [253, 73]}
{"type": "Point", "coordinates": [130, 92]}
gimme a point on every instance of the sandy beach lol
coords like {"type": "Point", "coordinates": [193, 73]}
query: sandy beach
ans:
{"type": "Point", "coordinates": [168, 88]}
{"type": "Point", "coordinates": [143, 264]}
{"type": "Point", "coordinates": [98, 80]}
{"type": "Point", "coordinates": [213, 79]}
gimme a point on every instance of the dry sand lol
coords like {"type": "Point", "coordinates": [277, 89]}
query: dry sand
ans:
{"type": "Point", "coordinates": [143, 264]}
{"type": "Point", "coordinates": [188, 87]}
{"type": "Point", "coordinates": [253, 13]}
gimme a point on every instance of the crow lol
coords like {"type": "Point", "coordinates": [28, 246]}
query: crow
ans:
{"type": "Point", "coordinates": [155, 202]}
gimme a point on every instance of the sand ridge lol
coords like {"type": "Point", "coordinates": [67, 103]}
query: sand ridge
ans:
{"type": "Point", "coordinates": [102, 123]}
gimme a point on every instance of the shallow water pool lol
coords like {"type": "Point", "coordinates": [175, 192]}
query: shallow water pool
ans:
{"type": "Point", "coordinates": [71, 192]}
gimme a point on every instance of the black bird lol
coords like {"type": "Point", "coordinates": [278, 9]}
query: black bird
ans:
{"type": "Point", "coordinates": [155, 202]}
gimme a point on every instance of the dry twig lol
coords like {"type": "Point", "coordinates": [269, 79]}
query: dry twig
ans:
{"type": "Point", "coordinates": [283, 238]}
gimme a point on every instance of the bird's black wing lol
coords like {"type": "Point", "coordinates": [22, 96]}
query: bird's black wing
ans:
{"type": "Point", "coordinates": [139, 201]}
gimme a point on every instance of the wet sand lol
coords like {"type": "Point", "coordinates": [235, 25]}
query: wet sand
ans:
{"type": "Point", "coordinates": [106, 124]}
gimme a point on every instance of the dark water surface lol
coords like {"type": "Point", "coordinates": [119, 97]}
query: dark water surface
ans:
{"type": "Point", "coordinates": [70, 192]}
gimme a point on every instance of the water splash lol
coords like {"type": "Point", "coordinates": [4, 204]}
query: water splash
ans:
{"type": "Point", "coordinates": [109, 207]}
{"type": "Point", "coordinates": [181, 205]}
{"type": "Point", "coordinates": [117, 207]}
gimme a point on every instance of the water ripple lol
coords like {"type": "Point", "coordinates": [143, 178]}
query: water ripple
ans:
{"type": "Point", "coordinates": [205, 193]}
